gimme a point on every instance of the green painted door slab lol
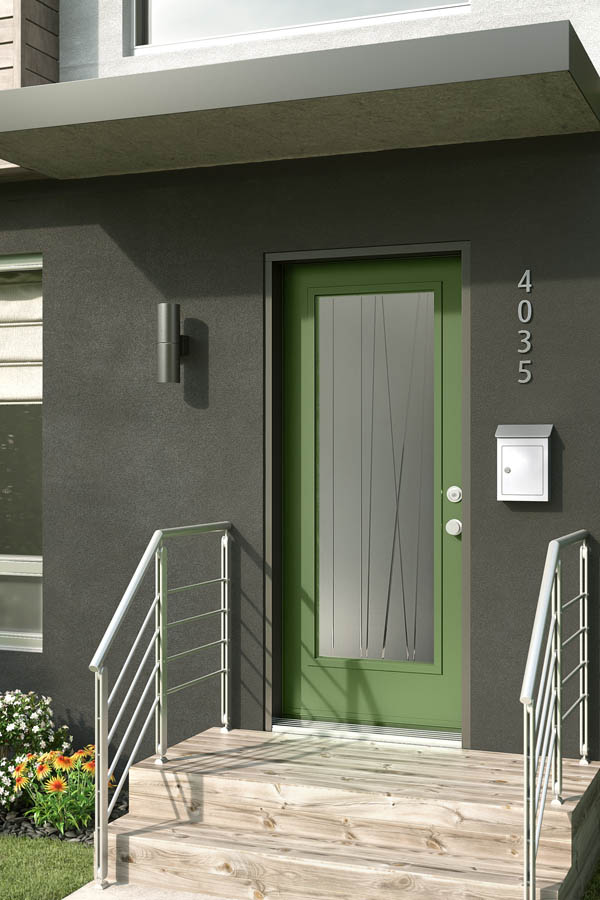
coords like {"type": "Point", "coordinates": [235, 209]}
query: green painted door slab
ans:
{"type": "Point", "coordinates": [371, 442]}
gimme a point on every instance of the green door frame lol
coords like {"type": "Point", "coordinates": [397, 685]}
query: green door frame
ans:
{"type": "Point", "coordinates": [274, 264]}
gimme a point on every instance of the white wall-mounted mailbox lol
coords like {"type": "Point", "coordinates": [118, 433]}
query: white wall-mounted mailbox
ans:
{"type": "Point", "coordinates": [523, 466]}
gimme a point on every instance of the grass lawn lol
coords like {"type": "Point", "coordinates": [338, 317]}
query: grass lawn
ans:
{"type": "Point", "coordinates": [42, 869]}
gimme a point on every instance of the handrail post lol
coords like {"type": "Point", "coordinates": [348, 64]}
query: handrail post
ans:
{"type": "Point", "coordinates": [101, 786]}
{"type": "Point", "coordinates": [583, 653]}
{"type": "Point", "coordinates": [557, 686]}
{"type": "Point", "coordinates": [225, 616]}
{"type": "Point", "coordinates": [529, 801]}
{"type": "Point", "coordinates": [161, 654]}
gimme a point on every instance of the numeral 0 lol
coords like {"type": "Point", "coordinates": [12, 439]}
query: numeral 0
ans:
{"type": "Point", "coordinates": [525, 311]}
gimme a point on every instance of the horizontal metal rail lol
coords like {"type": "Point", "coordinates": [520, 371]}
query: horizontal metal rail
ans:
{"type": "Point", "coordinates": [140, 668]}
{"type": "Point", "coordinates": [138, 576]}
{"type": "Point", "coordinates": [574, 706]}
{"type": "Point", "coordinates": [156, 685]}
{"type": "Point", "coordinates": [573, 636]}
{"type": "Point", "coordinates": [213, 612]}
{"type": "Point", "coordinates": [542, 708]}
{"type": "Point", "coordinates": [131, 653]}
{"type": "Point", "coordinates": [186, 684]}
{"type": "Point", "coordinates": [574, 671]}
{"type": "Point", "coordinates": [195, 649]}
{"type": "Point", "coordinates": [188, 587]}
{"type": "Point", "coordinates": [543, 606]}
{"type": "Point", "coordinates": [572, 601]}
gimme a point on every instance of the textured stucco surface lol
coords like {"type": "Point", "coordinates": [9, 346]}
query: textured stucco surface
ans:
{"type": "Point", "coordinates": [123, 455]}
{"type": "Point", "coordinates": [490, 109]}
{"type": "Point", "coordinates": [96, 36]}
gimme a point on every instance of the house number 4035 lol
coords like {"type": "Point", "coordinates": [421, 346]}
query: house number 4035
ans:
{"type": "Point", "coordinates": [525, 314]}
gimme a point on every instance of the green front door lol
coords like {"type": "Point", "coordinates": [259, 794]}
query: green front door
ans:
{"type": "Point", "coordinates": [371, 443]}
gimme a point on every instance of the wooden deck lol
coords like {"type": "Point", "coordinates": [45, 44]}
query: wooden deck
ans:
{"type": "Point", "coordinates": [260, 816]}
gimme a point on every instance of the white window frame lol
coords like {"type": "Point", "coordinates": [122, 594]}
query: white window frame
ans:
{"type": "Point", "coordinates": [420, 10]}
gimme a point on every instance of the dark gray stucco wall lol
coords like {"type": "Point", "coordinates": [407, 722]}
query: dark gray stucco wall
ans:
{"type": "Point", "coordinates": [124, 455]}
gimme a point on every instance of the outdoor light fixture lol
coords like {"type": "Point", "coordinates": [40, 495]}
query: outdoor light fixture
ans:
{"type": "Point", "coordinates": [172, 345]}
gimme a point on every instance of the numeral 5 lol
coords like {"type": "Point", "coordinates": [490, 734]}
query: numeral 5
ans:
{"type": "Point", "coordinates": [524, 372]}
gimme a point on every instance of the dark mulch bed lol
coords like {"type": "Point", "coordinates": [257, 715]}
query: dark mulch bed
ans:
{"type": "Point", "coordinates": [17, 824]}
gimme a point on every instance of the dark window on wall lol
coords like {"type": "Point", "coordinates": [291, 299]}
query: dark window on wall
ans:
{"type": "Point", "coordinates": [176, 21]}
{"type": "Point", "coordinates": [141, 22]}
{"type": "Point", "coordinates": [21, 479]}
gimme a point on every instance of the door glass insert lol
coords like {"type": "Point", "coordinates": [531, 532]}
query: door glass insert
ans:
{"type": "Point", "coordinates": [375, 483]}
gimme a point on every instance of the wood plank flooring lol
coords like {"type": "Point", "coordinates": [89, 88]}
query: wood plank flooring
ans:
{"type": "Point", "coordinates": [261, 816]}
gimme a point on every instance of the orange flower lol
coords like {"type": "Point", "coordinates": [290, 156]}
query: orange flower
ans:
{"type": "Point", "coordinates": [63, 762]}
{"type": "Point", "coordinates": [90, 767]}
{"type": "Point", "coordinates": [20, 768]}
{"type": "Point", "coordinates": [48, 757]}
{"type": "Point", "coordinates": [56, 785]}
{"type": "Point", "coordinates": [78, 755]}
{"type": "Point", "coordinates": [30, 755]}
{"type": "Point", "coordinates": [41, 770]}
{"type": "Point", "coordinates": [20, 782]}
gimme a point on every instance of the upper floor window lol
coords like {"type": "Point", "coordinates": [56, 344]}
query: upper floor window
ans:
{"type": "Point", "coordinates": [174, 21]}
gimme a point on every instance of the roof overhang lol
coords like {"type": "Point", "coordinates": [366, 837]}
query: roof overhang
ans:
{"type": "Point", "coordinates": [479, 86]}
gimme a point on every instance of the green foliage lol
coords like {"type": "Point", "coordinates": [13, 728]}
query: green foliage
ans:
{"type": "Point", "coordinates": [26, 726]}
{"type": "Point", "coordinates": [42, 869]}
{"type": "Point", "coordinates": [60, 787]}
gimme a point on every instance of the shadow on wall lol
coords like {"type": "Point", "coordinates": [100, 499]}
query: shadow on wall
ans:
{"type": "Point", "coordinates": [196, 365]}
{"type": "Point", "coordinates": [80, 39]}
{"type": "Point", "coordinates": [555, 504]}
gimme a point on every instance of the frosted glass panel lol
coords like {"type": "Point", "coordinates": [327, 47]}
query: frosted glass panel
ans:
{"type": "Point", "coordinates": [21, 603]}
{"type": "Point", "coordinates": [375, 476]}
{"type": "Point", "coordinates": [172, 21]}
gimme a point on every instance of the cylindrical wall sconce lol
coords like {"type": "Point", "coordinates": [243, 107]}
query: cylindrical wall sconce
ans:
{"type": "Point", "coordinates": [171, 344]}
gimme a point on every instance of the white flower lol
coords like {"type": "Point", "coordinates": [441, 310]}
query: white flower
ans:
{"type": "Point", "coordinates": [35, 714]}
{"type": "Point", "coordinates": [43, 745]}
{"type": "Point", "coordinates": [35, 729]}
{"type": "Point", "coordinates": [10, 727]}
{"type": "Point", "coordinates": [65, 746]}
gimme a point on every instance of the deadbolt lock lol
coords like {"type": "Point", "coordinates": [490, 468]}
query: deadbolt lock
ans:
{"type": "Point", "coordinates": [454, 494]}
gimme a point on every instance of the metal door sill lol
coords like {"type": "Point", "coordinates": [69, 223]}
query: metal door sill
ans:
{"type": "Point", "coordinates": [381, 734]}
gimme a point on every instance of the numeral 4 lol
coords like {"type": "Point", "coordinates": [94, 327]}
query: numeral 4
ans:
{"type": "Point", "coordinates": [526, 281]}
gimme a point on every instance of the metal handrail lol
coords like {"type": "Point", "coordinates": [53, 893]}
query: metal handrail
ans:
{"type": "Point", "coordinates": [157, 551]}
{"type": "Point", "coordinates": [542, 709]}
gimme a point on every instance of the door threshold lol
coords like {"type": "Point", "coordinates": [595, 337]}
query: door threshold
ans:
{"type": "Point", "coordinates": [379, 733]}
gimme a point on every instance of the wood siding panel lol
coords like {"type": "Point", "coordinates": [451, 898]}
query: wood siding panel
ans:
{"type": "Point", "coordinates": [39, 63]}
{"type": "Point", "coordinates": [6, 79]}
{"type": "Point", "coordinates": [39, 42]}
{"type": "Point", "coordinates": [6, 8]}
{"type": "Point", "coordinates": [40, 39]}
{"type": "Point", "coordinates": [32, 78]}
{"type": "Point", "coordinates": [7, 56]}
{"type": "Point", "coordinates": [40, 14]}
{"type": "Point", "coordinates": [7, 30]}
